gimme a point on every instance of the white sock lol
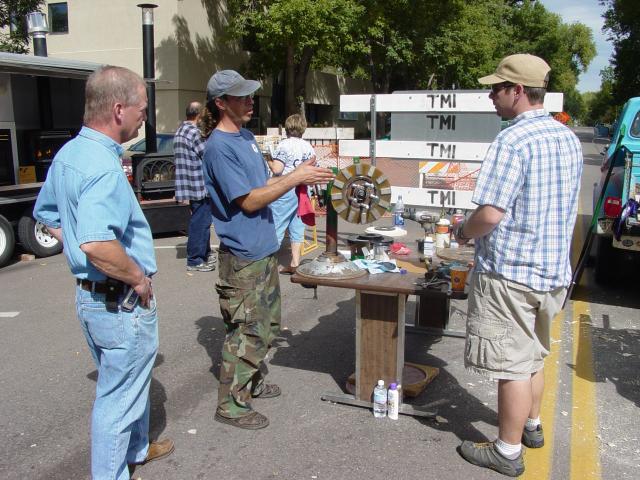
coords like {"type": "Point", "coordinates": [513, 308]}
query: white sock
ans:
{"type": "Point", "coordinates": [532, 424]}
{"type": "Point", "coordinates": [507, 450]}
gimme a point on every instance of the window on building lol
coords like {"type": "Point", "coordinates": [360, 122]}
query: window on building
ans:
{"type": "Point", "coordinates": [58, 18]}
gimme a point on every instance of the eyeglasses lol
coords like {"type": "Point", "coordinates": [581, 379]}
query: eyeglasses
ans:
{"type": "Point", "coordinates": [498, 87]}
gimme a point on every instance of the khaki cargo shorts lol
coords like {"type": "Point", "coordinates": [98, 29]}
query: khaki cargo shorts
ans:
{"type": "Point", "coordinates": [508, 327]}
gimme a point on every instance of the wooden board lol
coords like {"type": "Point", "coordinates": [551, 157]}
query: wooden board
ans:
{"type": "Point", "coordinates": [464, 255]}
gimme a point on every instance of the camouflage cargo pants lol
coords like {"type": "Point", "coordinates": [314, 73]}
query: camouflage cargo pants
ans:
{"type": "Point", "coordinates": [250, 304]}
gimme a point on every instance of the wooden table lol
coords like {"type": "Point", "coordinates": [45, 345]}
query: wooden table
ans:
{"type": "Point", "coordinates": [380, 330]}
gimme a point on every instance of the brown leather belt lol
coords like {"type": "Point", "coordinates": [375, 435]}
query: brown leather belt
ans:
{"type": "Point", "coordinates": [115, 286]}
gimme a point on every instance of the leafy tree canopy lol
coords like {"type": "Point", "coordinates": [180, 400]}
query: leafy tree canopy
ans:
{"type": "Point", "coordinates": [409, 44]}
{"type": "Point", "coordinates": [295, 35]}
{"type": "Point", "coordinates": [622, 22]}
{"type": "Point", "coordinates": [12, 17]}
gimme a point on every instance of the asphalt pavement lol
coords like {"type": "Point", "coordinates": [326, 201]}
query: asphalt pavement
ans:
{"type": "Point", "coordinates": [47, 383]}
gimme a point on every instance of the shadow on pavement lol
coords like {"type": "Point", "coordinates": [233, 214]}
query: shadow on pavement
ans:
{"type": "Point", "coordinates": [158, 396]}
{"type": "Point", "coordinates": [616, 355]}
{"type": "Point", "coordinates": [622, 294]}
{"type": "Point", "coordinates": [211, 333]}
{"type": "Point", "coordinates": [462, 409]}
{"type": "Point", "coordinates": [329, 347]}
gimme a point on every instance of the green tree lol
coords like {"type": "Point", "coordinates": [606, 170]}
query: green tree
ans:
{"type": "Point", "coordinates": [568, 48]}
{"type": "Point", "coordinates": [602, 107]}
{"type": "Point", "coordinates": [12, 16]}
{"type": "Point", "coordinates": [453, 43]}
{"type": "Point", "coordinates": [294, 36]}
{"type": "Point", "coordinates": [469, 45]}
{"type": "Point", "coordinates": [391, 40]}
{"type": "Point", "coordinates": [622, 22]}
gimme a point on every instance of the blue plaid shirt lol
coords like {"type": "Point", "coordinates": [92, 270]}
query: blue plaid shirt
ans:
{"type": "Point", "coordinates": [532, 171]}
{"type": "Point", "coordinates": [188, 147]}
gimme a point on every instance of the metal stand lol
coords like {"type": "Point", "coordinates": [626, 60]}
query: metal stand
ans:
{"type": "Point", "coordinates": [405, 409]}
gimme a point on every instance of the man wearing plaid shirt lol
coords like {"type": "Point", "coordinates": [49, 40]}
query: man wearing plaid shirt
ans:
{"type": "Point", "coordinates": [188, 146]}
{"type": "Point", "coordinates": [527, 197]}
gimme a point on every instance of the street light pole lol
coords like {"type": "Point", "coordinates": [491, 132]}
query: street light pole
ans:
{"type": "Point", "coordinates": [149, 72]}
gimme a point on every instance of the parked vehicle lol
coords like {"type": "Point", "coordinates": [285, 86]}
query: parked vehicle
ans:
{"type": "Point", "coordinates": [618, 227]}
{"type": "Point", "coordinates": [41, 108]}
{"type": "Point", "coordinates": [164, 145]}
{"type": "Point", "coordinates": [601, 130]}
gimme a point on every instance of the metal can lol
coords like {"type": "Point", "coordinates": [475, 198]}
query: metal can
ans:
{"type": "Point", "coordinates": [457, 217]}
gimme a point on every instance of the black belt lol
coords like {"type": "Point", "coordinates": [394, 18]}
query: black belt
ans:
{"type": "Point", "coordinates": [106, 286]}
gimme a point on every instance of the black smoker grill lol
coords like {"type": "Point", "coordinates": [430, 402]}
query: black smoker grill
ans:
{"type": "Point", "coordinates": [43, 146]}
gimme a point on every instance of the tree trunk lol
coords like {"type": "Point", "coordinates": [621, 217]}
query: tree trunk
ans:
{"type": "Point", "coordinates": [290, 106]}
{"type": "Point", "coordinates": [300, 81]}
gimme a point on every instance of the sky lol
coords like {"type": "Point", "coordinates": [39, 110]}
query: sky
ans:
{"type": "Point", "coordinates": [588, 12]}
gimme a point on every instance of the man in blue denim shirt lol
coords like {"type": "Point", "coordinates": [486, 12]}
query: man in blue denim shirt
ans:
{"type": "Point", "coordinates": [87, 203]}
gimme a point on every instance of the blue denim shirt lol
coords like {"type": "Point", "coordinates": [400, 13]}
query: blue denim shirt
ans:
{"type": "Point", "coordinates": [88, 195]}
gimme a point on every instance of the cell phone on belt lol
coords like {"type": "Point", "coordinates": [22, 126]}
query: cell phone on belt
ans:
{"type": "Point", "coordinates": [130, 300]}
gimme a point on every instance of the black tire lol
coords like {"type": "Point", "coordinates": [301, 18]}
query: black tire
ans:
{"type": "Point", "coordinates": [35, 238]}
{"type": "Point", "coordinates": [605, 261]}
{"type": "Point", "coordinates": [7, 241]}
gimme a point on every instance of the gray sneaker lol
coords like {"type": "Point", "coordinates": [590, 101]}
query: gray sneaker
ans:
{"type": "Point", "coordinates": [533, 438]}
{"type": "Point", "coordinates": [485, 455]}
{"type": "Point", "coordinates": [203, 267]}
{"type": "Point", "coordinates": [212, 259]}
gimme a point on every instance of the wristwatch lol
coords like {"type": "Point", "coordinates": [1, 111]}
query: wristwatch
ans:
{"type": "Point", "coordinates": [460, 233]}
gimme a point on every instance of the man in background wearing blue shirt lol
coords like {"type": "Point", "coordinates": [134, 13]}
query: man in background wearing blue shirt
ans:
{"type": "Point", "coordinates": [88, 204]}
{"type": "Point", "coordinates": [188, 147]}
{"type": "Point", "coordinates": [248, 286]}
{"type": "Point", "coordinates": [527, 197]}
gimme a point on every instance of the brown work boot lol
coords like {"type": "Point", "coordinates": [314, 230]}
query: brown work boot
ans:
{"type": "Point", "coordinates": [158, 450]}
{"type": "Point", "coordinates": [252, 421]}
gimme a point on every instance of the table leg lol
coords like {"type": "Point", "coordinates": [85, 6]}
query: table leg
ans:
{"type": "Point", "coordinates": [379, 340]}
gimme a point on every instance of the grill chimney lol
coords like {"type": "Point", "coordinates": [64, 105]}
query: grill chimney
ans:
{"type": "Point", "coordinates": [38, 28]}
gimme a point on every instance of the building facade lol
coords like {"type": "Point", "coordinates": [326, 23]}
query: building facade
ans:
{"type": "Point", "coordinates": [188, 49]}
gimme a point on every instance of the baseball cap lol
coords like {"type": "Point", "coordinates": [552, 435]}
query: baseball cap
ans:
{"type": "Point", "coordinates": [522, 68]}
{"type": "Point", "coordinates": [230, 82]}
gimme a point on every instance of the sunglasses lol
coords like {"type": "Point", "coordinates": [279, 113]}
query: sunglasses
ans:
{"type": "Point", "coordinates": [243, 98]}
{"type": "Point", "coordinates": [498, 87]}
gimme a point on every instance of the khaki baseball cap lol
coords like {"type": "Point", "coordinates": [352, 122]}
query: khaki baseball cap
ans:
{"type": "Point", "coordinates": [521, 68]}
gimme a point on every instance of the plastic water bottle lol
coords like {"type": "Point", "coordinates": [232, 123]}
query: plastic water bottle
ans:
{"type": "Point", "coordinates": [428, 247]}
{"type": "Point", "coordinates": [393, 401]}
{"type": "Point", "coordinates": [380, 400]}
{"type": "Point", "coordinates": [398, 210]}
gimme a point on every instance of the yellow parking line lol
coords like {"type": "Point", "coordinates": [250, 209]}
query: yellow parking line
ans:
{"type": "Point", "coordinates": [538, 461]}
{"type": "Point", "coordinates": [585, 455]}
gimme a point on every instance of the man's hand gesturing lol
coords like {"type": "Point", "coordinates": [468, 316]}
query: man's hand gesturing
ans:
{"type": "Point", "coordinates": [309, 174]}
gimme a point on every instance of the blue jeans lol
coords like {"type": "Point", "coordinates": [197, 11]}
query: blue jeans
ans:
{"type": "Point", "coordinates": [124, 347]}
{"type": "Point", "coordinates": [198, 243]}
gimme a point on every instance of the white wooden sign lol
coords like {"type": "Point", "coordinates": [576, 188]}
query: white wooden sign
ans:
{"type": "Point", "coordinates": [442, 108]}
{"type": "Point", "coordinates": [434, 102]}
{"type": "Point", "coordinates": [433, 197]}
{"type": "Point", "coordinates": [416, 150]}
